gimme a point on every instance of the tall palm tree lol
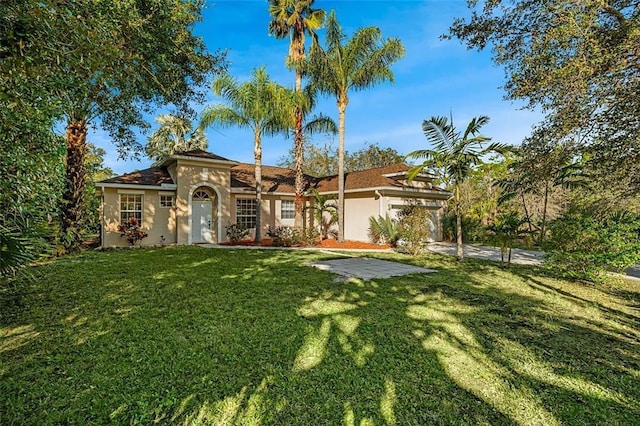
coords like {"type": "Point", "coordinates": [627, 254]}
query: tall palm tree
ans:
{"type": "Point", "coordinates": [260, 105]}
{"type": "Point", "coordinates": [453, 156]}
{"type": "Point", "coordinates": [175, 134]}
{"type": "Point", "coordinates": [354, 64]}
{"type": "Point", "coordinates": [294, 19]}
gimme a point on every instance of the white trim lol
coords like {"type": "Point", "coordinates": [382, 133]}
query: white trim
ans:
{"type": "Point", "coordinates": [164, 186]}
{"type": "Point", "coordinates": [190, 211]}
{"type": "Point", "coordinates": [129, 191]}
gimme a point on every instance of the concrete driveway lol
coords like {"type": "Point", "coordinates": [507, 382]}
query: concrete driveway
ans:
{"type": "Point", "coordinates": [518, 256]}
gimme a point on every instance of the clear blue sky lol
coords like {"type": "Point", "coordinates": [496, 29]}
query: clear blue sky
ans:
{"type": "Point", "coordinates": [435, 77]}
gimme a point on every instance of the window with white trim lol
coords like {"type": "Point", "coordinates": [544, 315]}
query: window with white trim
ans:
{"type": "Point", "coordinates": [130, 206]}
{"type": "Point", "coordinates": [287, 209]}
{"type": "Point", "coordinates": [246, 212]}
{"type": "Point", "coordinates": [167, 201]}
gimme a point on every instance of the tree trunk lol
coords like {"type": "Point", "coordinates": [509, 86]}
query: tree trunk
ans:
{"type": "Point", "coordinates": [342, 106]}
{"type": "Point", "coordinates": [526, 215]}
{"type": "Point", "coordinates": [544, 213]}
{"type": "Point", "coordinates": [72, 198]}
{"type": "Point", "coordinates": [459, 251]}
{"type": "Point", "coordinates": [298, 151]}
{"type": "Point", "coordinates": [257, 154]}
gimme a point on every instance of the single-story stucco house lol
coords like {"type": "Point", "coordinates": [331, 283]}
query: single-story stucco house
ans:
{"type": "Point", "coordinates": [190, 198]}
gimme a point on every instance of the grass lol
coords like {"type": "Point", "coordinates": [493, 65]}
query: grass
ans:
{"type": "Point", "coordinates": [211, 336]}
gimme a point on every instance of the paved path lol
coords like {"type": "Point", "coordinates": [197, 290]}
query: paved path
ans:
{"type": "Point", "coordinates": [368, 268]}
{"type": "Point", "coordinates": [518, 256]}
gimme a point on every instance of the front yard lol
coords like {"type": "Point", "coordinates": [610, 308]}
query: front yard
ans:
{"type": "Point", "coordinates": [216, 336]}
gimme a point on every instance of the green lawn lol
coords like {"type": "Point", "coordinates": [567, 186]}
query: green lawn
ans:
{"type": "Point", "coordinates": [209, 336]}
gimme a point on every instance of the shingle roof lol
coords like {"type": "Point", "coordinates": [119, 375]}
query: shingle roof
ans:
{"type": "Point", "coordinates": [155, 176]}
{"type": "Point", "coordinates": [201, 154]}
{"type": "Point", "coordinates": [370, 178]}
{"type": "Point", "coordinates": [274, 179]}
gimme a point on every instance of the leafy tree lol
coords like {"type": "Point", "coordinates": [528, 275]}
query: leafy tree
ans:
{"type": "Point", "coordinates": [109, 63]}
{"type": "Point", "coordinates": [578, 62]}
{"type": "Point", "coordinates": [322, 160]}
{"type": "Point", "coordinates": [351, 64]}
{"type": "Point", "coordinates": [259, 105]}
{"type": "Point", "coordinates": [453, 156]}
{"type": "Point", "coordinates": [294, 19]}
{"type": "Point", "coordinates": [506, 230]}
{"type": "Point", "coordinates": [175, 134]}
{"type": "Point", "coordinates": [325, 212]}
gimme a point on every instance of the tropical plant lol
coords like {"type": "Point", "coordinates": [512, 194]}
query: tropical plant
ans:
{"type": "Point", "coordinates": [294, 19]}
{"type": "Point", "coordinates": [259, 105]}
{"type": "Point", "coordinates": [15, 251]}
{"type": "Point", "coordinates": [383, 230]}
{"type": "Point", "coordinates": [350, 64]}
{"type": "Point", "coordinates": [345, 65]}
{"type": "Point", "coordinates": [453, 156]}
{"type": "Point", "coordinates": [175, 134]}
{"type": "Point", "coordinates": [325, 212]}
{"type": "Point", "coordinates": [132, 231]}
{"type": "Point", "coordinates": [505, 231]}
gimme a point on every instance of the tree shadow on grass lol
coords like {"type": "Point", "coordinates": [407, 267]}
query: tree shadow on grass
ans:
{"type": "Point", "coordinates": [199, 336]}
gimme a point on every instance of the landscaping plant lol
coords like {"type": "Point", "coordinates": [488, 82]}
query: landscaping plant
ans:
{"type": "Point", "coordinates": [132, 231]}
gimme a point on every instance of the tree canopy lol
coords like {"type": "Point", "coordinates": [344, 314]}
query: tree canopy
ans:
{"type": "Point", "coordinates": [579, 61]}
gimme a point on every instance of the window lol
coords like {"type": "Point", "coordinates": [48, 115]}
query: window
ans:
{"type": "Point", "coordinates": [287, 209]}
{"type": "Point", "coordinates": [130, 206]}
{"type": "Point", "coordinates": [246, 212]}
{"type": "Point", "coordinates": [201, 194]}
{"type": "Point", "coordinates": [166, 201]}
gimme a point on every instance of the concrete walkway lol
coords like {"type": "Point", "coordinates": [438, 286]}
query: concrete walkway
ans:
{"type": "Point", "coordinates": [518, 256]}
{"type": "Point", "coordinates": [368, 268]}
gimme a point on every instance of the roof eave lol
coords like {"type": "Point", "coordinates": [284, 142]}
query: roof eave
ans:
{"type": "Point", "coordinates": [171, 158]}
{"type": "Point", "coordinates": [161, 187]}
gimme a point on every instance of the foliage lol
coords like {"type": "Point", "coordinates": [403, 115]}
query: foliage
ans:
{"type": "Point", "coordinates": [284, 236]}
{"type": "Point", "coordinates": [472, 229]}
{"type": "Point", "coordinates": [15, 252]}
{"type": "Point", "coordinates": [384, 230]}
{"type": "Point", "coordinates": [413, 228]}
{"type": "Point", "coordinates": [293, 19]}
{"type": "Point", "coordinates": [349, 65]}
{"type": "Point", "coordinates": [586, 247]}
{"type": "Point", "coordinates": [505, 231]}
{"type": "Point", "coordinates": [132, 231]}
{"type": "Point", "coordinates": [175, 134]}
{"type": "Point", "coordinates": [106, 63]}
{"type": "Point", "coordinates": [96, 171]}
{"type": "Point", "coordinates": [235, 233]}
{"type": "Point", "coordinates": [322, 160]}
{"type": "Point", "coordinates": [577, 62]}
{"type": "Point", "coordinates": [452, 158]}
{"type": "Point", "coordinates": [325, 212]}
{"type": "Point", "coordinates": [259, 105]}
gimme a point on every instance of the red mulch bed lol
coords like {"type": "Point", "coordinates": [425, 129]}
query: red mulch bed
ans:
{"type": "Point", "coordinates": [328, 243]}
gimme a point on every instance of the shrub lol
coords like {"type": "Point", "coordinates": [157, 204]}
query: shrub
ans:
{"type": "Point", "coordinates": [236, 232]}
{"type": "Point", "coordinates": [383, 230]}
{"type": "Point", "coordinates": [472, 229]}
{"type": "Point", "coordinates": [132, 231]}
{"type": "Point", "coordinates": [504, 232]}
{"type": "Point", "coordinates": [413, 228]}
{"type": "Point", "coordinates": [585, 247]}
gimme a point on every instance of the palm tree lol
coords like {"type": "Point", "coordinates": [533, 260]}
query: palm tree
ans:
{"type": "Point", "coordinates": [453, 156]}
{"type": "Point", "coordinates": [260, 105]}
{"type": "Point", "coordinates": [294, 19]}
{"type": "Point", "coordinates": [174, 135]}
{"type": "Point", "coordinates": [354, 64]}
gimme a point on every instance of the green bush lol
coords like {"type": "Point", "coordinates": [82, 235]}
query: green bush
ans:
{"type": "Point", "coordinates": [584, 247]}
{"type": "Point", "coordinates": [472, 229]}
{"type": "Point", "coordinates": [236, 232]}
{"type": "Point", "coordinates": [383, 230]}
{"type": "Point", "coordinates": [413, 228]}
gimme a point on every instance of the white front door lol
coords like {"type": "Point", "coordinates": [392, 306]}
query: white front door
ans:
{"type": "Point", "coordinates": [202, 222]}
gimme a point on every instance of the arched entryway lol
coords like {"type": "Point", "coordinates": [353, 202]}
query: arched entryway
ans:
{"type": "Point", "coordinates": [204, 215]}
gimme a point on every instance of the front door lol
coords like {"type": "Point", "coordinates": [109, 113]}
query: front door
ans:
{"type": "Point", "coordinates": [202, 223]}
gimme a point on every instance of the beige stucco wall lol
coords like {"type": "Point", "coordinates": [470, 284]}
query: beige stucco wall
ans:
{"type": "Point", "coordinates": [189, 176]}
{"type": "Point", "coordinates": [358, 208]}
{"type": "Point", "coordinates": [158, 222]}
